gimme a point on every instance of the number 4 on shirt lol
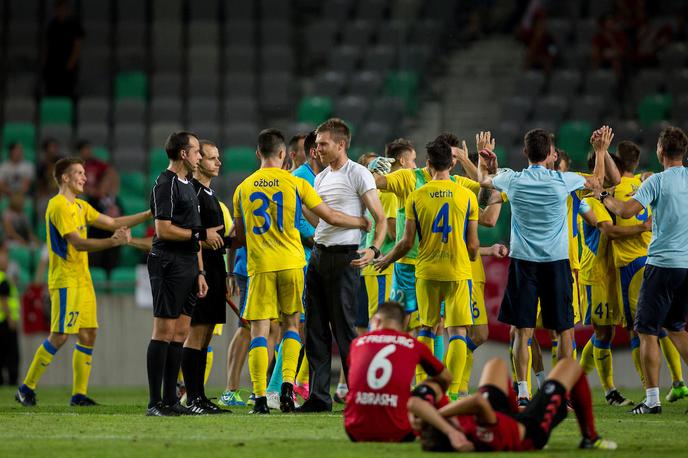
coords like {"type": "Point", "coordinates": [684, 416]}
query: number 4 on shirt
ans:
{"type": "Point", "coordinates": [441, 223]}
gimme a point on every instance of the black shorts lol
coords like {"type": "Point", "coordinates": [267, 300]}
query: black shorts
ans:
{"type": "Point", "coordinates": [242, 283]}
{"type": "Point", "coordinates": [211, 309]}
{"type": "Point", "coordinates": [362, 305]}
{"type": "Point", "coordinates": [663, 300]}
{"type": "Point", "coordinates": [551, 282]}
{"type": "Point", "coordinates": [173, 279]}
{"type": "Point", "coordinates": [497, 398]}
{"type": "Point", "coordinates": [544, 412]}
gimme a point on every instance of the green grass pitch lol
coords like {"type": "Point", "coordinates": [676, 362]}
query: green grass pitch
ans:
{"type": "Point", "coordinates": [119, 428]}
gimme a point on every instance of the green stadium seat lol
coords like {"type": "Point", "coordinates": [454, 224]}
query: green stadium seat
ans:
{"type": "Point", "coordinates": [132, 184]}
{"type": "Point", "coordinates": [129, 256]}
{"type": "Point", "coordinates": [404, 84]}
{"type": "Point", "coordinates": [157, 161]}
{"type": "Point", "coordinates": [101, 153]}
{"type": "Point", "coordinates": [41, 232]}
{"type": "Point", "coordinates": [56, 110]}
{"type": "Point", "coordinates": [242, 159]}
{"type": "Point", "coordinates": [500, 151]}
{"type": "Point", "coordinates": [139, 231]}
{"type": "Point", "coordinates": [315, 109]}
{"type": "Point", "coordinates": [123, 280]}
{"type": "Point", "coordinates": [22, 256]}
{"type": "Point", "coordinates": [99, 277]}
{"type": "Point", "coordinates": [574, 138]}
{"type": "Point", "coordinates": [135, 204]}
{"type": "Point", "coordinates": [654, 108]}
{"type": "Point", "coordinates": [131, 85]}
{"type": "Point", "coordinates": [488, 235]}
{"type": "Point", "coordinates": [24, 279]}
{"type": "Point", "coordinates": [22, 132]}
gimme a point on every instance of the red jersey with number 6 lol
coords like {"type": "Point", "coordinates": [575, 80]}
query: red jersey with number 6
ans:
{"type": "Point", "coordinates": [382, 365]}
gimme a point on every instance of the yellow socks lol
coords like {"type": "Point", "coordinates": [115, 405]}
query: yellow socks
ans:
{"type": "Point", "coordinates": [468, 368]}
{"type": "Point", "coordinates": [209, 357]}
{"type": "Point", "coordinates": [428, 338]}
{"type": "Point", "coordinates": [302, 376]}
{"type": "Point", "coordinates": [81, 368]}
{"type": "Point", "coordinates": [555, 346]}
{"type": "Point", "coordinates": [291, 346]}
{"type": "Point", "coordinates": [456, 361]}
{"type": "Point", "coordinates": [529, 378]}
{"type": "Point", "coordinates": [602, 352]}
{"type": "Point", "coordinates": [635, 354]}
{"type": "Point", "coordinates": [258, 365]}
{"type": "Point", "coordinates": [41, 361]}
{"type": "Point", "coordinates": [587, 360]}
{"type": "Point", "coordinates": [672, 357]}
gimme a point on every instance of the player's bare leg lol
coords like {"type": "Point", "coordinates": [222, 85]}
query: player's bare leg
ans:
{"type": "Point", "coordinates": [236, 358]}
{"type": "Point", "coordinates": [521, 359]}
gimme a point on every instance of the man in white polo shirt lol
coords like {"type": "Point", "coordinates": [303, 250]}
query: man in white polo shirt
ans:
{"type": "Point", "coordinates": [332, 278]}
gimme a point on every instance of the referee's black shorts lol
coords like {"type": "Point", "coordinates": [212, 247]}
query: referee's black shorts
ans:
{"type": "Point", "coordinates": [663, 300]}
{"type": "Point", "coordinates": [211, 309]}
{"type": "Point", "coordinates": [550, 282]}
{"type": "Point", "coordinates": [173, 279]}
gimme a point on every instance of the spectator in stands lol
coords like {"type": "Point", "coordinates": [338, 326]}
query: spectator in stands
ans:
{"type": "Point", "coordinates": [16, 174]}
{"type": "Point", "coordinates": [296, 151]}
{"type": "Point", "coordinates": [610, 46]}
{"type": "Point", "coordinates": [541, 51]}
{"type": "Point", "coordinates": [62, 49]}
{"type": "Point", "coordinates": [16, 223]}
{"type": "Point", "coordinates": [101, 189]}
{"type": "Point", "coordinates": [9, 321]}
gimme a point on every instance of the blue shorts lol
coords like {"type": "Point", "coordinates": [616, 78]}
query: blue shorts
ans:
{"type": "Point", "coordinates": [404, 286]}
{"type": "Point", "coordinates": [663, 300]}
{"type": "Point", "coordinates": [242, 282]}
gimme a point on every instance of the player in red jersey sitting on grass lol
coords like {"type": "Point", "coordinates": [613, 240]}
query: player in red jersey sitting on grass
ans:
{"type": "Point", "coordinates": [382, 364]}
{"type": "Point", "coordinates": [490, 419]}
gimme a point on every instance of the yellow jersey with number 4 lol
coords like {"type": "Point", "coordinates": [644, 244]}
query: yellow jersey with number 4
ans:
{"type": "Point", "coordinates": [441, 210]}
{"type": "Point", "coordinates": [628, 249]}
{"type": "Point", "coordinates": [269, 203]}
{"type": "Point", "coordinates": [67, 267]}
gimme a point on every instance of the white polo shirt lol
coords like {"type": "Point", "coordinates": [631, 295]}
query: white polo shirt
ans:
{"type": "Point", "coordinates": [342, 190]}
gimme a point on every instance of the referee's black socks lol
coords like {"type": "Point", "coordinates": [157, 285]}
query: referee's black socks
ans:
{"type": "Point", "coordinates": [155, 362]}
{"type": "Point", "coordinates": [171, 373]}
{"type": "Point", "coordinates": [191, 361]}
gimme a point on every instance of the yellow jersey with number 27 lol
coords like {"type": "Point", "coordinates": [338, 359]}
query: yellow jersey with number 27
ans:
{"type": "Point", "coordinates": [269, 203]}
{"type": "Point", "coordinates": [441, 210]}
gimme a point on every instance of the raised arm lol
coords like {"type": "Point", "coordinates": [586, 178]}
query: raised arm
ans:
{"type": "Point", "coordinates": [469, 168]}
{"type": "Point", "coordinates": [121, 236]}
{"type": "Point", "coordinates": [600, 140]}
{"type": "Point", "coordinates": [111, 224]}
{"type": "Point", "coordinates": [473, 405]}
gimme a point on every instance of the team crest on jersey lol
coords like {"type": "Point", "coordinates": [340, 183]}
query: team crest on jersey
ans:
{"type": "Point", "coordinates": [485, 435]}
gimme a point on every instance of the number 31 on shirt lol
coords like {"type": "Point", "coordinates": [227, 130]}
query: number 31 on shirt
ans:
{"type": "Point", "coordinates": [262, 211]}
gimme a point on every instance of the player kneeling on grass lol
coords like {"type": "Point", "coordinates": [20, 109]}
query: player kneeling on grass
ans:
{"type": "Point", "coordinates": [382, 364]}
{"type": "Point", "coordinates": [490, 419]}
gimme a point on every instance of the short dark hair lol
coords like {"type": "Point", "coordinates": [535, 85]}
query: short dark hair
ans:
{"type": "Point", "coordinates": [309, 142]}
{"type": "Point", "coordinates": [562, 156]}
{"type": "Point", "coordinates": [396, 148]}
{"type": "Point", "coordinates": [47, 141]}
{"type": "Point", "coordinates": [537, 143]}
{"type": "Point", "coordinates": [63, 165]}
{"type": "Point", "coordinates": [13, 145]}
{"type": "Point", "coordinates": [293, 141]}
{"type": "Point", "coordinates": [450, 139]}
{"type": "Point", "coordinates": [392, 310]}
{"type": "Point", "coordinates": [439, 154]}
{"type": "Point", "coordinates": [176, 142]}
{"type": "Point", "coordinates": [337, 128]}
{"type": "Point", "coordinates": [363, 158]}
{"type": "Point", "coordinates": [203, 143]}
{"type": "Point", "coordinates": [434, 440]}
{"type": "Point", "coordinates": [673, 142]}
{"type": "Point", "coordinates": [270, 141]}
{"type": "Point", "coordinates": [629, 156]}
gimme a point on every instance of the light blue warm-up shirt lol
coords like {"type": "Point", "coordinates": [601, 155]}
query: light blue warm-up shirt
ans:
{"type": "Point", "coordinates": [539, 231]}
{"type": "Point", "coordinates": [306, 172]}
{"type": "Point", "coordinates": [666, 193]}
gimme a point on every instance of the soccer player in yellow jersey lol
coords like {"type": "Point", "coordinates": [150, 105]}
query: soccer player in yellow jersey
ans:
{"type": "Point", "coordinates": [630, 256]}
{"type": "Point", "coordinates": [444, 215]}
{"type": "Point", "coordinates": [73, 301]}
{"type": "Point", "coordinates": [267, 209]}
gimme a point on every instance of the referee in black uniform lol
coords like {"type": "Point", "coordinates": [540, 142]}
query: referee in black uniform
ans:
{"type": "Point", "coordinates": [209, 310]}
{"type": "Point", "coordinates": [175, 268]}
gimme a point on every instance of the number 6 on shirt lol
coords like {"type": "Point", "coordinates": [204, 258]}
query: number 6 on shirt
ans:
{"type": "Point", "coordinates": [441, 223]}
{"type": "Point", "coordinates": [262, 211]}
{"type": "Point", "coordinates": [380, 362]}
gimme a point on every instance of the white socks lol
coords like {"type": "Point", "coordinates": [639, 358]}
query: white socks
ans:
{"type": "Point", "coordinates": [523, 390]}
{"type": "Point", "coordinates": [652, 397]}
{"type": "Point", "coordinates": [540, 378]}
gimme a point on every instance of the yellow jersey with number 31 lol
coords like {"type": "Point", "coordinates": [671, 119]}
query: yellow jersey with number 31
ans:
{"type": "Point", "coordinates": [441, 210]}
{"type": "Point", "coordinates": [628, 249]}
{"type": "Point", "coordinates": [269, 203]}
{"type": "Point", "coordinates": [67, 267]}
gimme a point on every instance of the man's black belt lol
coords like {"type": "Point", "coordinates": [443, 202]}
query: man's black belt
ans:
{"type": "Point", "coordinates": [337, 248]}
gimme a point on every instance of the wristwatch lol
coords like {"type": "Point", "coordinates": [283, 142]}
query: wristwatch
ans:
{"type": "Point", "coordinates": [202, 272]}
{"type": "Point", "coordinates": [604, 195]}
{"type": "Point", "coordinates": [375, 250]}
